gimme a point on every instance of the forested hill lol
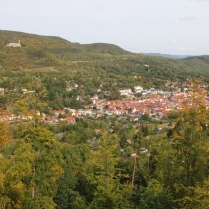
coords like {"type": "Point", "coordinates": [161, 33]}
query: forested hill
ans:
{"type": "Point", "coordinates": [50, 51]}
{"type": "Point", "coordinates": [204, 58]}
{"type": "Point", "coordinates": [39, 50]}
{"type": "Point", "coordinates": [53, 42]}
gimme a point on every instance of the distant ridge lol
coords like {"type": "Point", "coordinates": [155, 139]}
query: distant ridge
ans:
{"type": "Point", "coordinates": [52, 52]}
{"type": "Point", "coordinates": [105, 48]}
{"type": "Point", "coordinates": [167, 55]}
{"type": "Point", "coordinates": [203, 58]}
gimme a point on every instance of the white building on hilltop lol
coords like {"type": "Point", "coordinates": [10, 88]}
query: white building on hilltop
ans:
{"type": "Point", "coordinates": [14, 44]}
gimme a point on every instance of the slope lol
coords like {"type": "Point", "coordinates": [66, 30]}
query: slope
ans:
{"type": "Point", "coordinates": [46, 51]}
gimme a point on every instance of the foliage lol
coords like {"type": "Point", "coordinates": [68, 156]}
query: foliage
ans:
{"type": "Point", "coordinates": [155, 196]}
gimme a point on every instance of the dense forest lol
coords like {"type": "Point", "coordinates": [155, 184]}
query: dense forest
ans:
{"type": "Point", "coordinates": [103, 162]}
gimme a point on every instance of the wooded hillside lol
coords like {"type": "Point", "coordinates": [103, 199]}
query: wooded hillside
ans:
{"type": "Point", "coordinates": [43, 51]}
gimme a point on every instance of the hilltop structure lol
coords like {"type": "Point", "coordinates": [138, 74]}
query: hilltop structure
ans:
{"type": "Point", "coordinates": [14, 44]}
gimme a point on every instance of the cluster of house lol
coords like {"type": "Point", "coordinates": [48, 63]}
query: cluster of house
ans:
{"type": "Point", "coordinates": [139, 89]}
{"type": "Point", "coordinates": [51, 119]}
{"type": "Point", "coordinates": [67, 115]}
{"type": "Point", "coordinates": [157, 104]}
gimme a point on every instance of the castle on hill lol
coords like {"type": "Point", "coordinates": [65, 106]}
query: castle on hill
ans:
{"type": "Point", "coordinates": [14, 44]}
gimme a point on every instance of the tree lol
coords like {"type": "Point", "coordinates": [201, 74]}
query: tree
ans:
{"type": "Point", "coordinates": [137, 139]}
{"type": "Point", "coordinates": [155, 196]}
{"type": "Point", "coordinates": [43, 202]}
{"type": "Point", "coordinates": [200, 195]}
{"type": "Point", "coordinates": [114, 94]}
{"type": "Point", "coordinates": [145, 117]}
{"type": "Point", "coordinates": [67, 196]}
{"type": "Point", "coordinates": [105, 178]}
{"type": "Point", "coordinates": [18, 173]}
{"type": "Point", "coordinates": [33, 170]}
{"type": "Point", "coordinates": [5, 137]}
{"type": "Point", "coordinates": [189, 144]}
{"type": "Point", "coordinates": [145, 130]}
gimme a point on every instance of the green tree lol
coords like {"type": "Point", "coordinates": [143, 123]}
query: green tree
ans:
{"type": "Point", "coordinates": [72, 186]}
{"type": "Point", "coordinates": [137, 140]}
{"type": "Point", "coordinates": [103, 174]}
{"type": "Point", "coordinates": [189, 153]}
{"type": "Point", "coordinates": [5, 138]}
{"type": "Point", "coordinates": [200, 195]}
{"type": "Point", "coordinates": [155, 196]}
{"type": "Point", "coordinates": [114, 94]}
{"type": "Point", "coordinates": [33, 169]}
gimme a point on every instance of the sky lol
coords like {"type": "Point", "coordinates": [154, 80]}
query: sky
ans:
{"type": "Point", "coordinates": [177, 27]}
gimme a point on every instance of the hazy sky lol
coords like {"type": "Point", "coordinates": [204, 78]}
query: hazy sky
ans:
{"type": "Point", "coordinates": [164, 26]}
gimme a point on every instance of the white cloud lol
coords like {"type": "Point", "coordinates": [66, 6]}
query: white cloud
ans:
{"type": "Point", "coordinates": [173, 40]}
{"type": "Point", "coordinates": [187, 18]}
